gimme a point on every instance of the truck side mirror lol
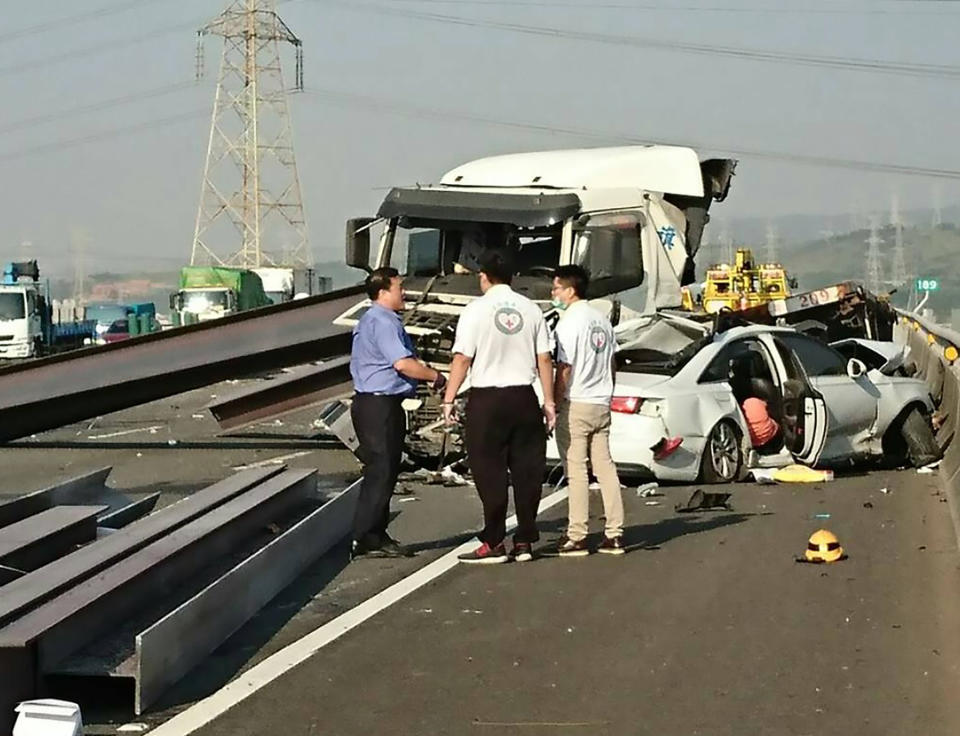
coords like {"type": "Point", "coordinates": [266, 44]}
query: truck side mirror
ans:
{"type": "Point", "coordinates": [173, 302]}
{"type": "Point", "coordinates": [358, 243]}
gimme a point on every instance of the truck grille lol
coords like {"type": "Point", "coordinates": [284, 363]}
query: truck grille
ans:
{"type": "Point", "coordinates": [6, 338]}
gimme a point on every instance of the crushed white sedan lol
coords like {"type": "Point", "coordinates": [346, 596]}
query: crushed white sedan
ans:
{"type": "Point", "coordinates": [677, 416]}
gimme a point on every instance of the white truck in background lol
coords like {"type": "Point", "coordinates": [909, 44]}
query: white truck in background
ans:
{"type": "Point", "coordinates": [27, 325]}
{"type": "Point", "coordinates": [285, 284]}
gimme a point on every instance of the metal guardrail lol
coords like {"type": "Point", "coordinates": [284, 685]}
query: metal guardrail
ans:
{"type": "Point", "coordinates": [935, 351]}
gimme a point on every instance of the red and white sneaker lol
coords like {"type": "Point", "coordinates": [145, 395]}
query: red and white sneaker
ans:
{"type": "Point", "coordinates": [486, 555]}
{"type": "Point", "coordinates": [521, 552]}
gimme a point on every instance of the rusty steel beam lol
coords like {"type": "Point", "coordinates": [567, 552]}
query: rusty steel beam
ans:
{"type": "Point", "coordinates": [84, 489]}
{"type": "Point", "coordinates": [62, 625]}
{"type": "Point", "coordinates": [42, 584]}
{"type": "Point", "coordinates": [44, 394]}
{"type": "Point", "coordinates": [305, 386]}
{"type": "Point", "coordinates": [186, 636]}
{"type": "Point", "coordinates": [42, 538]}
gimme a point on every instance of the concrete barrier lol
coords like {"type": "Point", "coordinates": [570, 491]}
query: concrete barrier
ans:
{"type": "Point", "coordinates": [934, 350]}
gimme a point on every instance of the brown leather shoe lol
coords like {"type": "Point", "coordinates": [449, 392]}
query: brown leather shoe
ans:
{"type": "Point", "coordinates": [572, 548]}
{"type": "Point", "coordinates": [611, 546]}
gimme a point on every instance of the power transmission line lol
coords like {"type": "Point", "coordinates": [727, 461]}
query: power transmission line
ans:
{"type": "Point", "coordinates": [393, 106]}
{"type": "Point", "coordinates": [31, 122]}
{"type": "Point", "coordinates": [102, 136]}
{"type": "Point", "coordinates": [104, 47]}
{"type": "Point", "coordinates": [832, 62]}
{"type": "Point", "coordinates": [71, 20]}
{"type": "Point", "coordinates": [799, 10]}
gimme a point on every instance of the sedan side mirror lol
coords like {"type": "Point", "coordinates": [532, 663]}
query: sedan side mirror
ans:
{"type": "Point", "coordinates": [856, 368]}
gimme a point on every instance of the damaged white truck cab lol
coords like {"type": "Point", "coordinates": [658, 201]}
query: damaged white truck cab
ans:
{"type": "Point", "coordinates": [630, 215]}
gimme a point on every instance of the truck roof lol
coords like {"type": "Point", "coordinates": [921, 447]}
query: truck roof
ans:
{"type": "Point", "coordinates": [662, 169]}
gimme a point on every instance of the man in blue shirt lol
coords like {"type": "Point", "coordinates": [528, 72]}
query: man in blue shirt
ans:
{"type": "Point", "coordinates": [385, 371]}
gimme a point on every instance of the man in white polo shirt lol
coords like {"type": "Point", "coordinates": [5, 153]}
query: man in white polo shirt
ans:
{"type": "Point", "coordinates": [584, 387]}
{"type": "Point", "coordinates": [502, 340]}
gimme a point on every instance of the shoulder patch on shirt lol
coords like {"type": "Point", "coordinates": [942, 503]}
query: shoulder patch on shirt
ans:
{"type": "Point", "coordinates": [598, 338]}
{"type": "Point", "coordinates": [508, 320]}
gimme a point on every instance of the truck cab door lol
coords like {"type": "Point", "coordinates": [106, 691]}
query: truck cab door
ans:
{"type": "Point", "coordinates": [34, 316]}
{"type": "Point", "coordinates": [803, 409]}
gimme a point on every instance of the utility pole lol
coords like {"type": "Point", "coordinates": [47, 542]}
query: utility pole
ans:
{"type": "Point", "coordinates": [874, 275]}
{"type": "Point", "coordinates": [78, 244]}
{"type": "Point", "coordinates": [726, 244]}
{"type": "Point", "coordinates": [937, 207]}
{"type": "Point", "coordinates": [828, 233]}
{"type": "Point", "coordinates": [251, 190]}
{"type": "Point", "coordinates": [772, 241]}
{"type": "Point", "coordinates": [898, 275]}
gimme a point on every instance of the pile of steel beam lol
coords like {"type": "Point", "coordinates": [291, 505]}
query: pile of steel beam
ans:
{"type": "Point", "coordinates": [152, 595]}
{"type": "Point", "coordinates": [44, 394]}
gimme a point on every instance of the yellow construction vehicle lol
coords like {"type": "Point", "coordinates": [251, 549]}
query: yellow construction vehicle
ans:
{"type": "Point", "coordinates": [744, 284]}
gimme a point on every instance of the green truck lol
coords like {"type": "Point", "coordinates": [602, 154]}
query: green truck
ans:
{"type": "Point", "coordinates": [211, 292]}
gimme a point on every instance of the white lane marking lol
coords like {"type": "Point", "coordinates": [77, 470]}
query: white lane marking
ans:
{"type": "Point", "coordinates": [272, 461]}
{"type": "Point", "coordinates": [261, 675]}
{"type": "Point", "coordinates": [124, 432]}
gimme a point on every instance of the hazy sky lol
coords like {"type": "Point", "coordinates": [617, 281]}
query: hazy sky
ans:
{"type": "Point", "coordinates": [393, 99]}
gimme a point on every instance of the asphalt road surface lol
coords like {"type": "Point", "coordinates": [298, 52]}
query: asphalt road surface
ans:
{"type": "Point", "coordinates": [707, 626]}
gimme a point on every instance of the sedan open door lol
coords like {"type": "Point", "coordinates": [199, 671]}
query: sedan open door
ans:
{"type": "Point", "coordinates": [804, 411]}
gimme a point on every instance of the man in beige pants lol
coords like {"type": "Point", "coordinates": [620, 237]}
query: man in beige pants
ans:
{"type": "Point", "coordinates": [584, 387]}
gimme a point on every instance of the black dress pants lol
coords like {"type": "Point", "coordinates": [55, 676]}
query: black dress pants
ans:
{"type": "Point", "coordinates": [380, 425]}
{"type": "Point", "coordinates": [506, 439]}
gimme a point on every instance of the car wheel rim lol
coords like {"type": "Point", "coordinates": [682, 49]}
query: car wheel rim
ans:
{"type": "Point", "coordinates": [723, 452]}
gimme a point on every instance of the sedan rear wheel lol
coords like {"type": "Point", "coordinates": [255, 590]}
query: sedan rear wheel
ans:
{"type": "Point", "coordinates": [722, 457]}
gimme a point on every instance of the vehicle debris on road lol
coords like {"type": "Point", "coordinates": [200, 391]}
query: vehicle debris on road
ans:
{"type": "Point", "coordinates": [646, 490]}
{"type": "Point", "coordinates": [929, 469]}
{"type": "Point", "coordinates": [700, 501]}
{"type": "Point", "coordinates": [823, 547]}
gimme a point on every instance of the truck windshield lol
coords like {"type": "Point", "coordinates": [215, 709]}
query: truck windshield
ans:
{"type": "Point", "coordinates": [12, 306]}
{"type": "Point", "coordinates": [201, 301]}
{"type": "Point", "coordinates": [456, 248]}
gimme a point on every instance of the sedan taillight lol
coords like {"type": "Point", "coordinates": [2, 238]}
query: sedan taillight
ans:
{"type": "Point", "coordinates": [626, 404]}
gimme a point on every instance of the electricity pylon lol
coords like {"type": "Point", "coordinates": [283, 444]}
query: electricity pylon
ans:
{"type": "Point", "coordinates": [773, 239]}
{"type": "Point", "coordinates": [250, 182]}
{"type": "Point", "coordinates": [898, 273]}
{"type": "Point", "coordinates": [874, 273]}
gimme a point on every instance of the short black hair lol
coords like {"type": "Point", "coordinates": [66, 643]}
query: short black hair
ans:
{"type": "Point", "coordinates": [497, 264]}
{"type": "Point", "coordinates": [574, 276]}
{"type": "Point", "coordinates": [379, 280]}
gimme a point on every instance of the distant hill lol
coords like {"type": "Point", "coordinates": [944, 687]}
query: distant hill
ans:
{"type": "Point", "coordinates": [805, 228]}
{"type": "Point", "coordinates": [929, 252]}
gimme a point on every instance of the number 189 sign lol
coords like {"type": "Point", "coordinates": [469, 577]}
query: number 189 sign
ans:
{"type": "Point", "coordinates": [927, 284]}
